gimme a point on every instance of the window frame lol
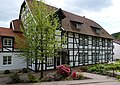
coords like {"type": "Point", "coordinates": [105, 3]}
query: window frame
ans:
{"type": "Point", "coordinates": [7, 61]}
{"type": "Point", "coordinates": [7, 42]}
{"type": "Point", "coordinates": [78, 25]}
{"type": "Point", "coordinates": [50, 61]}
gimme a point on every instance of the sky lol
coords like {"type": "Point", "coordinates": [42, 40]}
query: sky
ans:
{"type": "Point", "coordinates": [104, 12]}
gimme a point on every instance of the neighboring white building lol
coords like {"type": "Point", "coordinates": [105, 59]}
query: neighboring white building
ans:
{"type": "Point", "coordinates": [116, 50]}
{"type": "Point", "coordinates": [9, 59]}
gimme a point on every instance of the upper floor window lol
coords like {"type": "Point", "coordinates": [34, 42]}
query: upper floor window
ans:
{"type": "Point", "coordinates": [7, 42]}
{"type": "Point", "coordinates": [95, 29]}
{"type": "Point", "coordinates": [103, 42]}
{"type": "Point", "coordinates": [78, 25]}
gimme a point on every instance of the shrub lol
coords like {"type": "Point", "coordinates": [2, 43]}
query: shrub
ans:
{"type": "Point", "coordinates": [79, 77]}
{"type": "Point", "coordinates": [15, 77]}
{"type": "Point", "coordinates": [73, 75]}
{"type": "Point", "coordinates": [24, 70]}
{"type": "Point", "coordinates": [58, 77]}
{"type": "Point", "coordinates": [69, 78]}
{"type": "Point", "coordinates": [100, 68]}
{"type": "Point", "coordinates": [63, 70]}
{"type": "Point", "coordinates": [52, 77]}
{"type": "Point", "coordinates": [84, 68]}
{"type": "Point", "coordinates": [92, 69]}
{"type": "Point", "coordinates": [7, 72]}
{"type": "Point", "coordinates": [118, 77]}
{"type": "Point", "coordinates": [32, 78]}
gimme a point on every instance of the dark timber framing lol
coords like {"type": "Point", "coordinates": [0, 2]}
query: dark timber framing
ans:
{"type": "Point", "coordinates": [90, 44]}
{"type": "Point", "coordinates": [88, 49]}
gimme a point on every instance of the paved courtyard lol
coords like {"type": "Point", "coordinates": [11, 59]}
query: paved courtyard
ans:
{"type": "Point", "coordinates": [96, 80]}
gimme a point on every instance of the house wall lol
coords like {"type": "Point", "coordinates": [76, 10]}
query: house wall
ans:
{"type": "Point", "coordinates": [83, 49]}
{"type": "Point", "coordinates": [116, 51]}
{"type": "Point", "coordinates": [17, 63]}
{"type": "Point", "coordinates": [86, 49]}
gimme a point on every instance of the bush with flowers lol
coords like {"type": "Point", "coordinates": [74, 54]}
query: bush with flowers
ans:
{"type": "Point", "coordinates": [63, 73]}
{"type": "Point", "coordinates": [63, 70]}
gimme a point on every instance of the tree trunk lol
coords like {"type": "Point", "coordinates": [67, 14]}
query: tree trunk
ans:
{"type": "Point", "coordinates": [41, 69]}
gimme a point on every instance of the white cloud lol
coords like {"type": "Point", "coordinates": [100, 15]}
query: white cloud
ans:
{"type": "Point", "coordinates": [4, 24]}
{"type": "Point", "coordinates": [9, 10]}
{"type": "Point", "coordinates": [108, 18]}
{"type": "Point", "coordinates": [106, 14]}
{"type": "Point", "coordinates": [56, 3]}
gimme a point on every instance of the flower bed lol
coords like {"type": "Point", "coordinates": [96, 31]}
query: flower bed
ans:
{"type": "Point", "coordinates": [63, 73]}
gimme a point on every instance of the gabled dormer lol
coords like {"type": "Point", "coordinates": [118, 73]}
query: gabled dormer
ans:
{"type": "Point", "coordinates": [7, 43]}
{"type": "Point", "coordinates": [96, 30]}
{"type": "Point", "coordinates": [77, 25]}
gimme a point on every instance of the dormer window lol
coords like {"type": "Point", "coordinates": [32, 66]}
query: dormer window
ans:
{"type": "Point", "coordinates": [7, 42]}
{"type": "Point", "coordinates": [95, 29]}
{"type": "Point", "coordinates": [78, 25]}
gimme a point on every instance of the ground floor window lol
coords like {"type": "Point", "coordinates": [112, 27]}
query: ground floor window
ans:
{"type": "Point", "coordinates": [7, 60]}
{"type": "Point", "coordinates": [50, 61]}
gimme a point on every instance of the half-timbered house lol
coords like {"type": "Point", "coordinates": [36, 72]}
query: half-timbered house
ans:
{"type": "Point", "coordinates": [87, 42]}
{"type": "Point", "coordinates": [9, 58]}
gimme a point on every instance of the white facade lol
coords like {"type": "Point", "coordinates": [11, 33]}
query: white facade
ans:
{"type": "Point", "coordinates": [16, 62]}
{"type": "Point", "coordinates": [116, 51]}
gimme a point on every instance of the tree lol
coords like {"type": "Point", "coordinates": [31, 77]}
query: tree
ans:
{"type": "Point", "coordinates": [39, 30]}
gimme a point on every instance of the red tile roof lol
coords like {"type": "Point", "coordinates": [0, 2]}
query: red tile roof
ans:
{"type": "Point", "coordinates": [13, 31]}
{"type": "Point", "coordinates": [6, 32]}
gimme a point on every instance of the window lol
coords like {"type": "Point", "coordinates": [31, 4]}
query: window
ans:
{"type": "Point", "coordinates": [86, 57]}
{"type": "Point", "coordinates": [97, 57]}
{"type": "Point", "coordinates": [50, 61]}
{"type": "Point", "coordinates": [86, 40]}
{"type": "Point", "coordinates": [81, 41]}
{"type": "Point", "coordinates": [109, 43]}
{"type": "Point", "coordinates": [7, 42]}
{"type": "Point", "coordinates": [78, 25]}
{"type": "Point", "coordinates": [7, 60]}
{"type": "Point", "coordinates": [97, 31]}
{"type": "Point", "coordinates": [93, 57]}
{"type": "Point", "coordinates": [103, 42]}
{"type": "Point", "coordinates": [80, 58]}
{"type": "Point", "coordinates": [93, 42]}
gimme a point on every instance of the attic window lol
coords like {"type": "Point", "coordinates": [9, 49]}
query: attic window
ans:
{"type": "Point", "coordinates": [96, 30]}
{"type": "Point", "coordinates": [78, 25]}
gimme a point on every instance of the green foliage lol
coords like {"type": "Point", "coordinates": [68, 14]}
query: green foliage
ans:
{"type": "Point", "coordinates": [118, 77]}
{"type": "Point", "coordinates": [39, 30]}
{"type": "Point", "coordinates": [84, 68]}
{"type": "Point", "coordinates": [100, 68]}
{"type": "Point", "coordinates": [7, 72]}
{"type": "Point", "coordinates": [105, 68]}
{"type": "Point", "coordinates": [116, 35]}
{"type": "Point", "coordinates": [15, 77]}
{"type": "Point", "coordinates": [32, 78]}
{"type": "Point", "coordinates": [69, 78]}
